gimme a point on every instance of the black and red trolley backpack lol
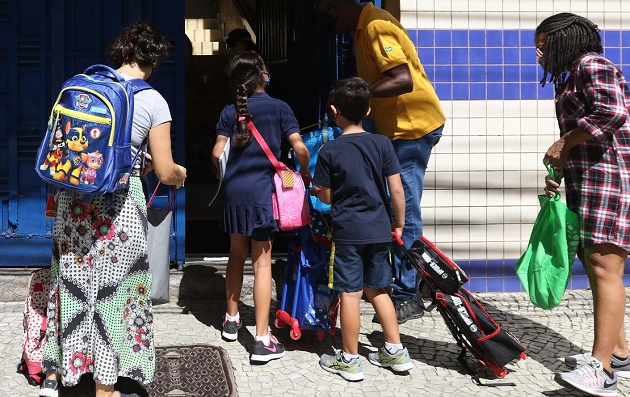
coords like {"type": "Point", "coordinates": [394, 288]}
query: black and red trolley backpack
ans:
{"type": "Point", "coordinates": [473, 328]}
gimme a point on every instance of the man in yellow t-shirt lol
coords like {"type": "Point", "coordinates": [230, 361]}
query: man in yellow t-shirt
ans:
{"type": "Point", "coordinates": [405, 108]}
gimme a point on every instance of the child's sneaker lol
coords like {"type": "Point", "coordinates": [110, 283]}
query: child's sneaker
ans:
{"type": "Point", "coordinates": [349, 370]}
{"type": "Point", "coordinates": [49, 388]}
{"type": "Point", "coordinates": [589, 378]}
{"type": "Point", "coordinates": [230, 329]}
{"type": "Point", "coordinates": [620, 367]}
{"type": "Point", "coordinates": [264, 353]}
{"type": "Point", "coordinates": [399, 361]}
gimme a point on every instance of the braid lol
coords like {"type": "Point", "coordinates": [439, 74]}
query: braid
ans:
{"type": "Point", "coordinates": [569, 36]}
{"type": "Point", "coordinates": [244, 71]}
{"type": "Point", "coordinates": [243, 135]}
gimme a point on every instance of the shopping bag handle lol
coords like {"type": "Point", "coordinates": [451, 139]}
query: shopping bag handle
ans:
{"type": "Point", "coordinates": [170, 202]}
{"type": "Point", "coordinates": [554, 174]}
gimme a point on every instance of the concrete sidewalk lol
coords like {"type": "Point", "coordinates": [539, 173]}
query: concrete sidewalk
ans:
{"type": "Point", "coordinates": [194, 317]}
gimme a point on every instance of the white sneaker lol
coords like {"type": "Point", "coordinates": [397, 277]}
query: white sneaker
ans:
{"type": "Point", "coordinates": [49, 388]}
{"type": "Point", "coordinates": [620, 367]}
{"type": "Point", "coordinates": [589, 378]}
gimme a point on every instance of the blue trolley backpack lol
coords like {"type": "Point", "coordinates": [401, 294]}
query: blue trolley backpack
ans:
{"type": "Point", "coordinates": [87, 145]}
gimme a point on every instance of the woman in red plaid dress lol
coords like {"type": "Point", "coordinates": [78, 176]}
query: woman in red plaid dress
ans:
{"type": "Point", "coordinates": [593, 153]}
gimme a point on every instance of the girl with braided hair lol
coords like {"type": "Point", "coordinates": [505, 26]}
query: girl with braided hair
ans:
{"type": "Point", "coordinates": [593, 155]}
{"type": "Point", "coordinates": [248, 186]}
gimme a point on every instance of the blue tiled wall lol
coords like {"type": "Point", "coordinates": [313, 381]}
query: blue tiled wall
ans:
{"type": "Point", "coordinates": [495, 64]}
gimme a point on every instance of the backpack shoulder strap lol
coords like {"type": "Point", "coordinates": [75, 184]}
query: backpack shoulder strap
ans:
{"type": "Point", "coordinates": [138, 85]}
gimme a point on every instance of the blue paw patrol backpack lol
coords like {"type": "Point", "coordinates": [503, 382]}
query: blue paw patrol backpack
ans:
{"type": "Point", "coordinates": [87, 145]}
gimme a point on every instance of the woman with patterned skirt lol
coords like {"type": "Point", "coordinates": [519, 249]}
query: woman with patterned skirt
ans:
{"type": "Point", "coordinates": [100, 319]}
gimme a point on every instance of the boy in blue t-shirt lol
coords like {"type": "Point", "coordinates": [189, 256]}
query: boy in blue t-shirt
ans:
{"type": "Point", "coordinates": [353, 173]}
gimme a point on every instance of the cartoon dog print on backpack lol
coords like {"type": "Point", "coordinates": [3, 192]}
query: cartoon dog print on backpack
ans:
{"type": "Point", "coordinates": [71, 164]}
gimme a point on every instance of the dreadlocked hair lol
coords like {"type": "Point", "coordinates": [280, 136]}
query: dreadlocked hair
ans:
{"type": "Point", "coordinates": [244, 71]}
{"type": "Point", "coordinates": [569, 36]}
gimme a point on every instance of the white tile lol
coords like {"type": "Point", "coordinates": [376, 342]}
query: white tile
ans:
{"type": "Point", "coordinates": [477, 144]}
{"type": "Point", "coordinates": [512, 232]}
{"type": "Point", "coordinates": [460, 127]}
{"type": "Point", "coordinates": [461, 251]}
{"type": "Point", "coordinates": [478, 162]}
{"type": "Point", "coordinates": [479, 251]}
{"type": "Point", "coordinates": [408, 5]}
{"type": "Point", "coordinates": [511, 125]}
{"type": "Point", "coordinates": [477, 215]}
{"type": "Point", "coordinates": [529, 21]}
{"type": "Point", "coordinates": [445, 146]}
{"type": "Point", "coordinates": [447, 108]}
{"type": "Point", "coordinates": [495, 162]}
{"type": "Point", "coordinates": [443, 233]}
{"type": "Point", "coordinates": [512, 108]}
{"type": "Point", "coordinates": [461, 215]}
{"type": "Point", "coordinates": [596, 5]}
{"type": "Point", "coordinates": [478, 108]}
{"type": "Point", "coordinates": [428, 199]}
{"type": "Point", "coordinates": [459, 198]}
{"type": "Point", "coordinates": [476, 5]}
{"type": "Point", "coordinates": [410, 20]}
{"type": "Point", "coordinates": [495, 215]}
{"type": "Point", "coordinates": [460, 109]}
{"type": "Point", "coordinates": [494, 232]}
{"type": "Point", "coordinates": [612, 21]}
{"type": "Point", "coordinates": [511, 143]}
{"type": "Point", "coordinates": [595, 15]}
{"type": "Point", "coordinates": [494, 179]}
{"type": "Point", "coordinates": [442, 5]}
{"type": "Point", "coordinates": [530, 180]}
{"type": "Point", "coordinates": [512, 214]}
{"type": "Point", "coordinates": [461, 233]}
{"type": "Point", "coordinates": [529, 213]}
{"type": "Point", "coordinates": [444, 215]}
{"type": "Point", "coordinates": [495, 197]}
{"type": "Point", "coordinates": [529, 144]}
{"type": "Point", "coordinates": [529, 108]}
{"type": "Point", "coordinates": [495, 126]}
{"type": "Point", "coordinates": [561, 5]}
{"type": "Point", "coordinates": [494, 20]}
{"type": "Point", "coordinates": [495, 143]}
{"type": "Point", "coordinates": [459, 6]}
{"type": "Point", "coordinates": [513, 249]}
{"type": "Point", "coordinates": [512, 161]}
{"type": "Point", "coordinates": [495, 108]}
{"type": "Point", "coordinates": [528, 127]}
{"type": "Point", "coordinates": [478, 233]}
{"type": "Point", "coordinates": [443, 20]}
{"type": "Point", "coordinates": [424, 20]}
{"type": "Point", "coordinates": [544, 5]}
{"type": "Point", "coordinates": [579, 6]}
{"type": "Point", "coordinates": [512, 179]}
{"type": "Point", "coordinates": [512, 197]}
{"type": "Point", "coordinates": [460, 20]}
{"type": "Point", "coordinates": [461, 162]}
{"type": "Point", "coordinates": [546, 108]}
{"type": "Point", "coordinates": [612, 6]}
{"type": "Point", "coordinates": [478, 197]}
{"type": "Point", "coordinates": [443, 198]}
{"type": "Point", "coordinates": [511, 20]}
{"type": "Point", "coordinates": [461, 180]}
{"type": "Point", "coordinates": [527, 5]}
{"type": "Point", "coordinates": [477, 20]}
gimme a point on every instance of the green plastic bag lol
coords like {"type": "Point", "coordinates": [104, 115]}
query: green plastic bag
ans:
{"type": "Point", "coordinates": [545, 267]}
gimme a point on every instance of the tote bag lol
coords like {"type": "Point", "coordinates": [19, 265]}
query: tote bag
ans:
{"type": "Point", "coordinates": [158, 244]}
{"type": "Point", "coordinates": [545, 267]}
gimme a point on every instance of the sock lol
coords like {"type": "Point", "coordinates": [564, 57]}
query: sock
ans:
{"type": "Point", "coordinates": [620, 358]}
{"type": "Point", "coordinates": [393, 347]}
{"type": "Point", "coordinates": [264, 339]}
{"type": "Point", "coordinates": [347, 357]}
{"type": "Point", "coordinates": [233, 318]}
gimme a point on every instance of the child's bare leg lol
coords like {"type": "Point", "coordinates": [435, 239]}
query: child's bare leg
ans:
{"type": "Point", "coordinates": [386, 313]}
{"type": "Point", "coordinates": [350, 319]}
{"type": "Point", "coordinates": [239, 249]}
{"type": "Point", "coordinates": [261, 262]}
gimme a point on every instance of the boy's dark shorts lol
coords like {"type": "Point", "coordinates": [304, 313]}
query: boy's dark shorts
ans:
{"type": "Point", "coordinates": [357, 266]}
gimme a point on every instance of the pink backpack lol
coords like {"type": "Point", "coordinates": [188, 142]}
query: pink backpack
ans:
{"type": "Point", "coordinates": [35, 326]}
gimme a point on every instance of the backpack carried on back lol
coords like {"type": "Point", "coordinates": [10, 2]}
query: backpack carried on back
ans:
{"type": "Point", "coordinates": [34, 326]}
{"type": "Point", "coordinates": [87, 145]}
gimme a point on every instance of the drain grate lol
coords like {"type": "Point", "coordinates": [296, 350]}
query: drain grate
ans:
{"type": "Point", "coordinates": [192, 371]}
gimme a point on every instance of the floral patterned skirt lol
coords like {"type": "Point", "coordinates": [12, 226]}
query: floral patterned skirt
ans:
{"type": "Point", "coordinates": [99, 313]}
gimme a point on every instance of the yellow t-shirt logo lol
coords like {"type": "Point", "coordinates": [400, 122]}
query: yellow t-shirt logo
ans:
{"type": "Point", "coordinates": [389, 49]}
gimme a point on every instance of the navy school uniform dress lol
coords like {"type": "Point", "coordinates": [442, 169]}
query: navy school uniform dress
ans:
{"type": "Point", "coordinates": [248, 183]}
